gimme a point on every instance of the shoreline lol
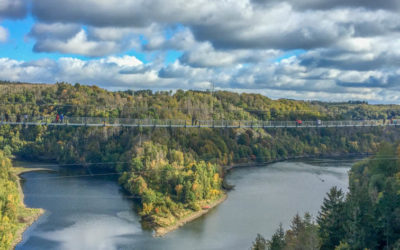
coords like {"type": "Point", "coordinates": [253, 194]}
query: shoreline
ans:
{"type": "Point", "coordinates": [36, 212]}
{"type": "Point", "coordinates": [21, 170]}
{"type": "Point", "coordinates": [162, 231]}
{"type": "Point", "coordinates": [31, 220]}
{"type": "Point", "coordinates": [228, 168]}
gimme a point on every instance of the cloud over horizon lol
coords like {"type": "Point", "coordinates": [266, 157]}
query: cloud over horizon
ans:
{"type": "Point", "coordinates": [310, 49]}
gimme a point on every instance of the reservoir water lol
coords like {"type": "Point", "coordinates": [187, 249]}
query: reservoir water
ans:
{"type": "Point", "coordinates": [91, 212]}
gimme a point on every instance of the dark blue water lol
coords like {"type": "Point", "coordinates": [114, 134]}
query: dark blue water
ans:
{"type": "Point", "coordinates": [93, 213]}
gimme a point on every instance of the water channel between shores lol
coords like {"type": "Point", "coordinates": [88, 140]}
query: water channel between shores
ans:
{"type": "Point", "coordinates": [91, 212]}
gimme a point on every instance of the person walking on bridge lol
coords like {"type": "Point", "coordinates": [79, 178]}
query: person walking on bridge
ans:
{"type": "Point", "coordinates": [57, 118]}
{"type": "Point", "coordinates": [194, 120]}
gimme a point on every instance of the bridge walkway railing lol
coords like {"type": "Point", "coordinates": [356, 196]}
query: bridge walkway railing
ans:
{"type": "Point", "coordinates": [130, 122]}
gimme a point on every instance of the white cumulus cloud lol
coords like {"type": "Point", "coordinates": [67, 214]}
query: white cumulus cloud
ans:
{"type": "Point", "coordinates": [3, 34]}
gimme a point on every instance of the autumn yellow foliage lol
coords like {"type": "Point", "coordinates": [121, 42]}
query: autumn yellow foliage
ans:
{"type": "Point", "coordinates": [12, 210]}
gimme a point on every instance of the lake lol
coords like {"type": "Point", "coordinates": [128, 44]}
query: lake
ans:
{"type": "Point", "coordinates": [91, 212]}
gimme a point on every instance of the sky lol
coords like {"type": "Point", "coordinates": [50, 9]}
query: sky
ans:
{"type": "Point", "coordinates": [329, 50]}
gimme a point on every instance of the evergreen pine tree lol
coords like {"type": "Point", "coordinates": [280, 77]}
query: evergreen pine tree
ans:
{"type": "Point", "coordinates": [277, 241]}
{"type": "Point", "coordinates": [260, 243]}
{"type": "Point", "coordinates": [331, 219]}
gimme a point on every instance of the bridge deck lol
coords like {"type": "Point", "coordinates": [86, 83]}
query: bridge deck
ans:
{"type": "Point", "coordinates": [126, 122]}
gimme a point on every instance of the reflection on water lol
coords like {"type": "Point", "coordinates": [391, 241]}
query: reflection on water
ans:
{"type": "Point", "coordinates": [89, 231]}
{"type": "Point", "coordinates": [91, 212]}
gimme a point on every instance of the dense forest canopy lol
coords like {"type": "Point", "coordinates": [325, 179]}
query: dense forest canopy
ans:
{"type": "Point", "coordinates": [168, 182]}
{"type": "Point", "coordinates": [81, 100]}
{"type": "Point", "coordinates": [175, 171]}
{"type": "Point", "coordinates": [70, 145]}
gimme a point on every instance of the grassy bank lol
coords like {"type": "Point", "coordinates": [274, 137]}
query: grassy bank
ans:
{"type": "Point", "coordinates": [15, 217]}
{"type": "Point", "coordinates": [27, 216]}
{"type": "Point", "coordinates": [190, 216]}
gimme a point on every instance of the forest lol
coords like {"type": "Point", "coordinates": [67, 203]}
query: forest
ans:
{"type": "Point", "coordinates": [169, 183]}
{"type": "Point", "coordinates": [174, 171]}
{"type": "Point", "coordinates": [13, 214]}
{"type": "Point", "coordinates": [367, 217]}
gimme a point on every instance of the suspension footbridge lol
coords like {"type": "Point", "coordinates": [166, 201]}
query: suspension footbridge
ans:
{"type": "Point", "coordinates": [176, 123]}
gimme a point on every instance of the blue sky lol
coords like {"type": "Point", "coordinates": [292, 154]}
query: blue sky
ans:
{"type": "Point", "coordinates": [17, 47]}
{"type": "Point", "coordinates": [20, 45]}
{"type": "Point", "coordinates": [319, 49]}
